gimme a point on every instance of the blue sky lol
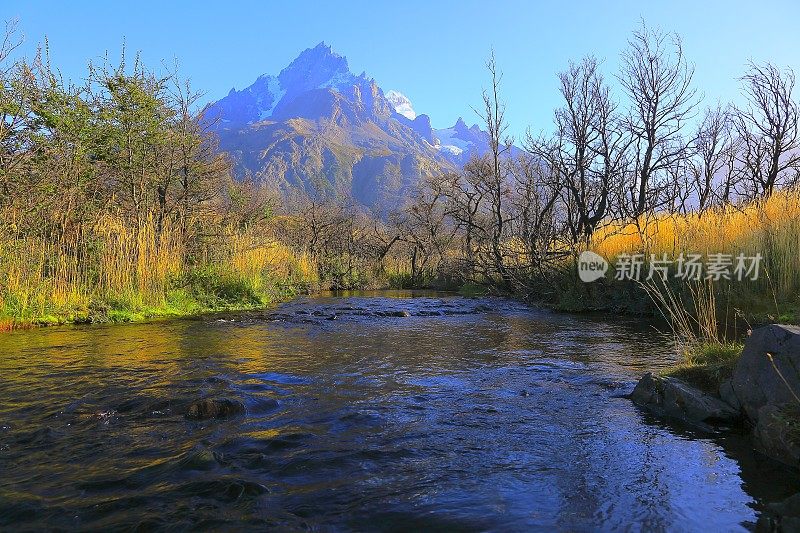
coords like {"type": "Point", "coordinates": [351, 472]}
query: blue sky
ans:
{"type": "Point", "coordinates": [433, 51]}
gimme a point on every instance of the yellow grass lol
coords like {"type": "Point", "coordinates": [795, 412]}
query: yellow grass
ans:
{"type": "Point", "coordinates": [255, 259]}
{"type": "Point", "coordinates": [770, 227]}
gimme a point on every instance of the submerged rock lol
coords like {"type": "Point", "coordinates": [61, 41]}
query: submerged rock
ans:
{"type": "Point", "coordinates": [428, 313]}
{"type": "Point", "coordinates": [671, 397]}
{"type": "Point", "coordinates": [781, 517]}
{"type": "Point", "coordinates": [214, 408]}
{"type": "Point", "coordinates": [400, 313]}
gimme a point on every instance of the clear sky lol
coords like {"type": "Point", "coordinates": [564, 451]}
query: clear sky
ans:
{"type": "Point", "coordinates": [433, 51]}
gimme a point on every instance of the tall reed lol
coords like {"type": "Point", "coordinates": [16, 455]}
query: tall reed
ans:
{"type": "Point", "coordinates": [770, 227]}
{"type": "Point", "coordinates": [122, 266]}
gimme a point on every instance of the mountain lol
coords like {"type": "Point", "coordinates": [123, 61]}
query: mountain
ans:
{"type": "Point", "coordinates": [319, 129]}
{"type": "Point", "coordinates": [401, 104]}
{"type": "Point", "coordinates": [460, 143]}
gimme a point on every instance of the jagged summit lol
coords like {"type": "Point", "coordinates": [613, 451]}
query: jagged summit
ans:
{"type": "Point", "coordinates": [460, 126]}
{"type": "Point", "coordinates": [315, 68]}
{"type": "Point", "coordinates": [401, 104]}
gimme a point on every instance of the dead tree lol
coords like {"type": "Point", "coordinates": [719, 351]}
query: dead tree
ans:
{"type": "Point", "coordinates": [657, 79]}
{"type": "Point", "coordinates": [713, 167]}
{"type": "Point", "coordinates": [586, 154]}
{"type": "Point", "coordinates": [496, 179]}
{"type": "Point", "coordinates": [768, 128]}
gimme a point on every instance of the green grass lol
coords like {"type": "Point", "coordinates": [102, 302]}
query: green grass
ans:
{"type": "Point", "coordinates": [472, 290]}
{"type": "Point", "coordinates": [706, 366]}
{"type": "Point", "coordinates": [200, 291]}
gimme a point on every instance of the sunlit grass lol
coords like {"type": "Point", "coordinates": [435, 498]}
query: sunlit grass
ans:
{"type": "Point", "coordinates": [122, 273]}
{"type": "Point", "coordinates": [705, 315]}
{"type": "Point", "coordinates": [707, 365]}
{"type": "Point", "coordinates": [769, 226]}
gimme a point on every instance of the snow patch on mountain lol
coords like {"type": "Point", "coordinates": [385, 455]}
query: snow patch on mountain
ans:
{"type": "Point", "coordinates": [339, 82]}
{"type": "Point", "coordinates": [449, 148]}
{"type": "Point", "coordinates": [401, 104]}
{"type": "Point", "coordinates": [273, 90]}
{"type": "Point", "coordinates": [450, 142]}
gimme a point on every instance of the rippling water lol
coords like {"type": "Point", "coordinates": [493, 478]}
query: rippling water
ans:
{"type": "Point", "coordinates": [387, 412]}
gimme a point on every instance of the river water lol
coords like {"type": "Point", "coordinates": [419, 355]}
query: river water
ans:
{"type": "Point", "coordinates": [464, 415]}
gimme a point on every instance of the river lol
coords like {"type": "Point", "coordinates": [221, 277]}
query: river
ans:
{"type": "Point", "coordinates": [386, 411]}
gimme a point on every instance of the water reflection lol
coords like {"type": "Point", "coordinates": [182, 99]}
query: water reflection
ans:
{"type": "Point", "coordinates": [396, 411]}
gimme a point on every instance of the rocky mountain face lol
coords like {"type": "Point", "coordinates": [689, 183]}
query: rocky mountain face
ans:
{"type": "Point", "coordinates": [318, 129]}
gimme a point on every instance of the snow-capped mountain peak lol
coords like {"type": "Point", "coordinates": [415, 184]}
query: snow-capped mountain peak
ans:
{"type": "Point", "coordinates": [320, 130]}
{"type": "Point", "coordinates": [401, 104]}
{"type": "Point", "coordinates": [315, 68]}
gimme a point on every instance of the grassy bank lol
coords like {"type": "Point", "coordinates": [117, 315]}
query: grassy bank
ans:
{"type": "Point", "coordinates": [707, 366]}
{"type": "Point", "coordinates": [770, 227]}
{"type": "Point", "coordinates": [123, 274]}
{"type": "Point", "coordinates": [709, 319]}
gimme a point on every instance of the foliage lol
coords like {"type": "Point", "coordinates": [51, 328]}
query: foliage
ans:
{"type": "Point", "coordinates": [115, 204]}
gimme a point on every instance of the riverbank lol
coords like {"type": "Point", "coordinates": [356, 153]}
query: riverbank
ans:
{"type": "Point", "coordinates": [767, 229]}
{"type": "Point", "coordinates": [176, 304]}
{"type": "Point", "coordinates": [756, 385]}
{"type": "Point", "coordinates": [208, 294]}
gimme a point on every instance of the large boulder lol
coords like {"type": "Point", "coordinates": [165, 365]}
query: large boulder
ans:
{"type": "Point", "coordinates": [768, 373]}
{"type": "Point", "coordinates": [671, 397]}
{"type": "Point", "coordinates": [775, 434]}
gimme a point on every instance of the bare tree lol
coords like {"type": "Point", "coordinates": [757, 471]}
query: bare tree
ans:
{"type": "Point", "coordinates": [679, 188]}
{"type": "Point", "coordinates": [426, 228]}
{"type": "Point", "coordinates": [18, 90]}
{"type": "Point", "coordinates": [496, 179]}
{"type": "Point", "coordinates": [10, 41]}
{"type": "Point", "coordinates": [200, 168]}
{"type": "Point", "coordinates": [536, 223]}
{"type": "Point", "coordinates": [471, 203]}
{"type": "Point", "coordinates": [768, 128]}
{"type": "Point", "coordinates": [587, 151]}
{"type": "Point", "coordinates": [657, 80]}
{"type": "Point", "coordinates": [713, 167]}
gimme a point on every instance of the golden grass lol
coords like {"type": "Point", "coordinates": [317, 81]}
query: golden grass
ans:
{"type": "Point", "coordinates": [769, 226]}
{"type": "Point", "coordinates": [257, 260]}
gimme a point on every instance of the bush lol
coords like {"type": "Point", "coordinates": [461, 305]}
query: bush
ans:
{"type": "Point", "coordinates": [216, 289]}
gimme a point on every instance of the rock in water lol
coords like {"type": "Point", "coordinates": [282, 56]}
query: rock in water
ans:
{"type": "Point", "coordinates": [781, 517]}
{"type": "Point", "coordinates": [768, 372]}
{"type": "Point", "coordinates": [773, 435]}
{"type": "Point", "coordinates": [673, 398]}
{"type": "Point", "coordinates": [214, 408]}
